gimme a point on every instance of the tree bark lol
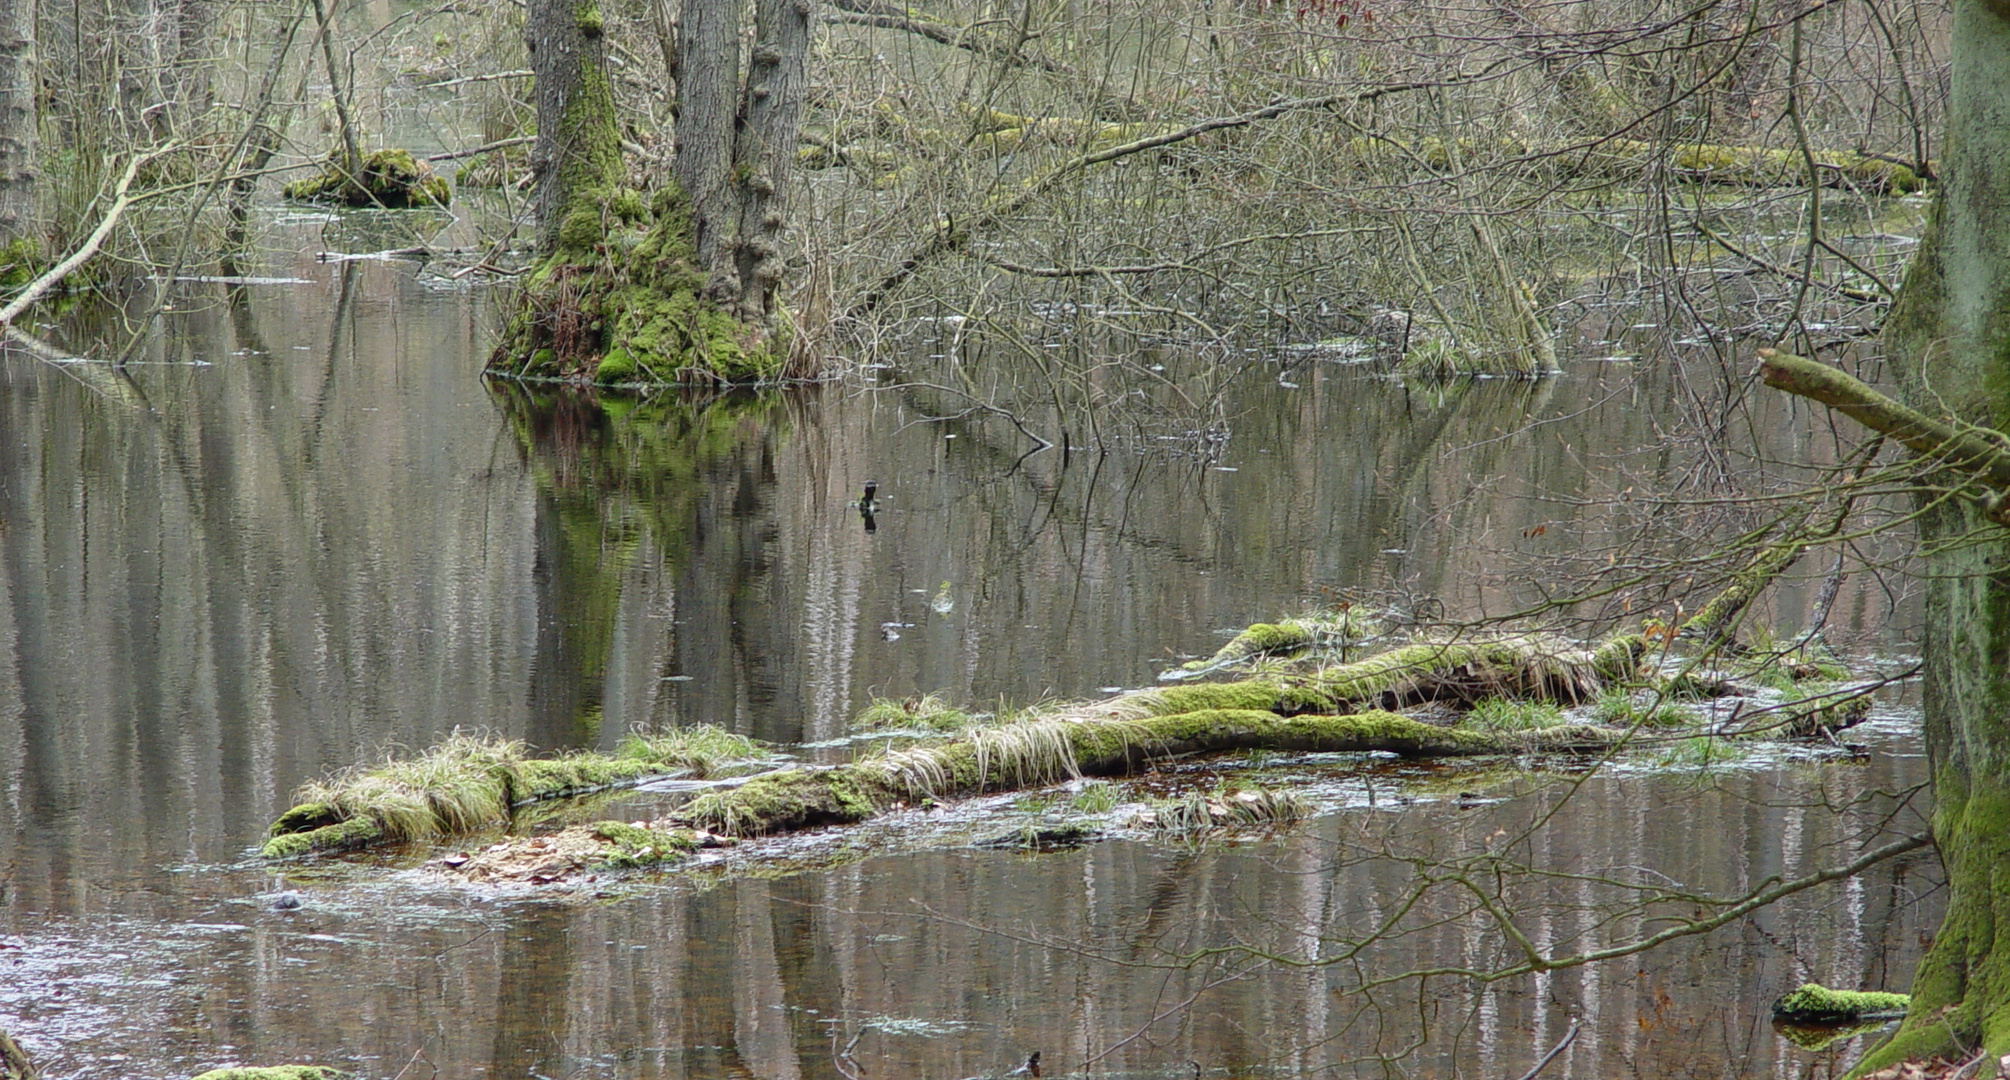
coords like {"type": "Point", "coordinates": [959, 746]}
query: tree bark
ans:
{"type": "Point", "coordinates": [578, 148]}
{"type": "Point", "coordinates": [1949, 340]}
{"type": "Point", "coordinates": [18, 123]}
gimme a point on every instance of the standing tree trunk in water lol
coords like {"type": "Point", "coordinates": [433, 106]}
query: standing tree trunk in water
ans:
{"type": "Point", "coordinates": [678, 284]}
{"type": "Point", "coordinates": [1949, 341]}
{"type": "Point", "coordinates": [20, 232]}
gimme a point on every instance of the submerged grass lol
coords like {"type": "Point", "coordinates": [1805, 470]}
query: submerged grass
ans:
{"type": "Point", "coordinates": [1198, 811]}
{"type": "Point", "coordinates": [468, 782]}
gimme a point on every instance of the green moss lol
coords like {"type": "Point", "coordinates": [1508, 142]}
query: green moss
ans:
{"type": "Point", "coordinates": [622, 279]}
{"type": "Point", "coordinates": [617, 366]}
{"type": "Point", "coordinates": [636, 846]}
{"type": "Point", "coordinates": [392, 179]}
{"type": "Point", "coordinates": [1815, 1004]}
{"type": "Point", "coordinates": [467, 783]}
{"type": "Point", "coordinates": [341, 836]}
{"type": "Point", "coordinates": [20, 263]}
{"type": "Point", "coordinates": [274, 1072]}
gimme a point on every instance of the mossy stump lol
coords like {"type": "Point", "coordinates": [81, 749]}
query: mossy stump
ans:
{"type": "Point", "coordinates": [620, 301]}
{"type": "Point", "coordinates": [392, 179]}
{"type": "Point", "coordinates": [1814, 1004]}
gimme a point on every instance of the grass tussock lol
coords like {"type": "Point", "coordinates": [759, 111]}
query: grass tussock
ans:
{"type": "Point", "coordinates": [1226, 808]}
{"type": "Point", "coordinates": [928, 712]}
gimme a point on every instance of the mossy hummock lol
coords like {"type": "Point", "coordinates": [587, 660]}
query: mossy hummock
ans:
{"type": "Point", "coordinates": [391, 179]}
{"type": "Point", "coordinates": [1813, 1003]}
{"type": "Point", "coordinates": [620, 302]}
{"type": "Point", "coordinates": [469, 783]}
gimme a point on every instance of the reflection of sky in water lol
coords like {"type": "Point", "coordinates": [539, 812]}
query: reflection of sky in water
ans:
{"type": "Point", "coordinates": [218, 581]}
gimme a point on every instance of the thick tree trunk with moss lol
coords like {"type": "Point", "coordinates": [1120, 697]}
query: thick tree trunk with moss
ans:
{"type": "Point", "coordinates": [677, 285]}
{"type": "Point", "coordinates": [19, 230]}
{"type": "Point", "coordinates": [1950, 341]}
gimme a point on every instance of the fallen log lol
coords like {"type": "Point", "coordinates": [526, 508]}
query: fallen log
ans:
{"type": "Point", "coordinates": [1813, 1003]}
{"type": "Point", "coordinates": [1040, 752]}
{"type": "Point", "coordinates": [468, 783]}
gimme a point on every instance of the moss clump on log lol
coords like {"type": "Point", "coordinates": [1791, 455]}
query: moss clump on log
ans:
{"type": "Point", "coordinates": [1816, 1004]}
{"type": "Point", "coordinates": [275, 1072]}
{"type": "Point", "coordinates": [1291, 638]}
{"type": "Point", "coordinates": [467, 783]}
{"type": "Point", "coordinates": [619, 300]}
{"type": "Point", "coordinates": [392, 179]}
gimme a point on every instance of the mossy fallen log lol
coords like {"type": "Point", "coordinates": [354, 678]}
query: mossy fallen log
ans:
{"type": "Point", "coordinates": [1706, 163]}
{"type": "Point", "coordinates": [1816, 1004]}
{"type": "Point", "coordinates": [392, 179]}
{"type": "Point", "coordinates": [467, 783]}
{"type": "Point", "coordinates": [1040, 752]}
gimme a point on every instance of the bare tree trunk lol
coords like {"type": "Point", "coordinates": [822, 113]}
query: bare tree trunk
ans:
{"type": "Point", "coordinates": [765, 150]}
{"type": "Point", "coordinates": [1949, 341]}
{"type": "Point", "coordinates": [708, 98]}
{"type": "Point", "coordinates": [18, 123]}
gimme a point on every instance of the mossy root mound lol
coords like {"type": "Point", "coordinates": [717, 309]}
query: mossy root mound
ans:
{"type": "Point", "coordinates": [1038, 752]}
{"type": "Point", "coordinates": [467, 783]}
{"type": "Point", "coordinates": [392, 179]}
{"type": "Point", "coordinates": [620, 301]}
{"type": "Point", "coordinates": [1814, 1004]}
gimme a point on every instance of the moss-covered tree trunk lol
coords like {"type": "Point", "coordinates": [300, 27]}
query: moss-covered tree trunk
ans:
{"type": "Point", "coordinates": [1950, 340]}
{"type": "Point", "coordinates": [678, 284]}
{"type": "Point", "coordinates": [19, 229]}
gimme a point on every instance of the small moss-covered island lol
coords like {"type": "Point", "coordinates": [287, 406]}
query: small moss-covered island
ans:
{"type": "Point", "coordinates": [659, 279]}
{"type": "Point", "coordinates": [1324, 683]}
{"type": "Point", "coordinates": [391, 179]}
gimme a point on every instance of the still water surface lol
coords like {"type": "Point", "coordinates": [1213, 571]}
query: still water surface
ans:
{"type": "Point", "coordinates": [304, 533]}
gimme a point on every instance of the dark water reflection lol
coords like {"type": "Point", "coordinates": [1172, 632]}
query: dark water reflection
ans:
{"type": "Point", "coordinates": [303, 532]}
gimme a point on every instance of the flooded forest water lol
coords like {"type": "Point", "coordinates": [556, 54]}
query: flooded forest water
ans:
{"type": "Point", "coordinates": [303, 533]}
